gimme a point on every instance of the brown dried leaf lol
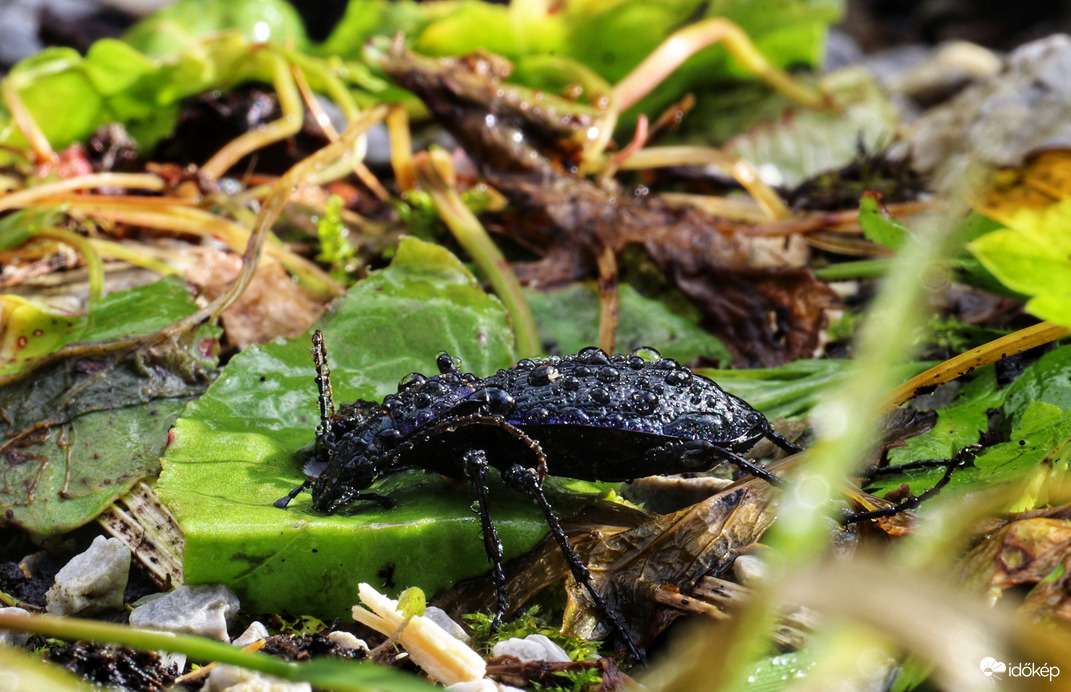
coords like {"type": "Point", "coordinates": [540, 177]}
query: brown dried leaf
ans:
{"type": "Point", "coordinates": [272, 306]}
{"type": "Point", "coordinates": [633, 556]}
{"type": "Point", "coordinates": [1032, 550]}
{"type": "Point", "coordinates": [526, 149]}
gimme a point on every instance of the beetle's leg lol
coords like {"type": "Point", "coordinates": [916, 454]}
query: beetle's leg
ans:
{"type": "Point", "coordinates": [282, 502]}
{"type": "Point", "coordinates": [963, 457]}
{"type": "Point", "coordinates": [747, 465]}
{"type": "Point", "coordinates": [782, 442]}
{"type": "Point", "coordinates": [474, 463]}
{"type": "Point", "coordinates": [527, 480]}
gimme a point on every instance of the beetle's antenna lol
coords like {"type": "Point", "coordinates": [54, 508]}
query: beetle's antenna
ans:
{"type": "Point", "coordinates": [323, 383]}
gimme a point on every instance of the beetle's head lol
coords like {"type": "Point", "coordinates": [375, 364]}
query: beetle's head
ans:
{"type": "Point", "coordinates": [347, 473]}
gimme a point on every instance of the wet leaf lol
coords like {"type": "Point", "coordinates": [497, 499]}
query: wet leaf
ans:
{"type": "Point", "coordinates": [1035, 450]}
{"type": "Point", "coordinates": [765, 315]}
{"type": "Point", "coordinates": [177, 25]}
{"type": "Point", "coordinates": [83, 430]}
{"type": "Point", "coordinates": [568, 320]}
{"type": "Point", "coordinates": [236, 450]}
{"type": "Point", "coordinates": [780, 672]}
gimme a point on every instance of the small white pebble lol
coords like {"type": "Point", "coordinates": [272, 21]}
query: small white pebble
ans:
{"type": "Point", "coordinates": [749, 570]}
{"type": "Point", "coordinates": [13, 637]}
{"type": "Point", "coordinates": [255, 632]}
{"type": "Point", "coordinates": [234, 679]}
{"type": "Point", "coordinates": [92, 581]}
{"type": "Point", "coordinates": [481, 685]}
{"type": "Point", "coordinates": [347, 640]}
{"type": "Point", "coordinates": [534, 647]}
{"type": "Point", "coordinates": [440, 618]}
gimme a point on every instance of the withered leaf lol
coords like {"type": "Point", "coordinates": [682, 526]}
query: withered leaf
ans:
{"type": "Point", "coordinates": [1035, 550]}
{"type": "Point", "coordinates": [527, 147]}
{"type": "Point", "coordinates": [632, 555]}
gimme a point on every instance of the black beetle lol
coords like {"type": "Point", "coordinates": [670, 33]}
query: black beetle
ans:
{"type": "Point", "coordinates": [589, 416]}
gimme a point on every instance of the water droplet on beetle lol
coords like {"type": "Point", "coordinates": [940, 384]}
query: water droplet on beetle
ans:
{"type": "Point", "coordinates": [543, 375]}
{"type": "Point", "coordinates": [607, 374]}
{"type": "Point", "coordinates": [644, 402]}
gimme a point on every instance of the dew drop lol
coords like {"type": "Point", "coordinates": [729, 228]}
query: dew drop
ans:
{"type": "Point", "coordinates": [607, 374]}
{"type": "Point", "coordinates": [543, 375]}
{"type": "Point", "coordinates": [644, 402]}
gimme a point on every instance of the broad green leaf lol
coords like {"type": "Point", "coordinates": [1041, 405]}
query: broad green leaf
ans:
{"type": "Point", "coordinates": [29, 331]}
{"type": "Point", "coordinates": [236, 450]}
{"type": "Point", "coordinates": [610, 38]}
{"type": "Point", "coordinates": [1031, 256]}
{"type": "Point", "coordinates": [568, 320]}
{"type": "Point", "coordinates": [83, 430]}
{"type": "Point", "coordinates": [1035, 406]}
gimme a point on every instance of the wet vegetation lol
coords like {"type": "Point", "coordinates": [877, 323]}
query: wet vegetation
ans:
{"type": "Point", "coordinates": [181, 208]}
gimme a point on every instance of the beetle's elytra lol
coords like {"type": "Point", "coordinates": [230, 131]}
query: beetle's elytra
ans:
{"type": "Point", "coordinates": [588, 415]}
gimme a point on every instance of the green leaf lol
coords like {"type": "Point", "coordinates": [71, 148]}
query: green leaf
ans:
{"type": "Point", "coordinates": [83, 430]}
{"type": "Point", "coordinates": [236, 450]}
{"type": "Point", "coordinates": [878, 225]}
{"type": "Point", "coordinates": [567, 320]}
{"type": "Point", "coordinates": [325, 673]}
{"type": "Point", "coordinates": [174, 27]}
{"type": "Point", "coordinates": [1031, 256]}
{"type": "Point", "coordinates": [780, 672]}
{"type": "Point", "coordinates": [411, 602]}
{"type": "Point", "coordinates": [790, 390]}
{"type": "Point", "coordinates": [1035, 406]}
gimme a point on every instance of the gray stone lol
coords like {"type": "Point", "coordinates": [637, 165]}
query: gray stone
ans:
{"type": "Point", "coordinates": [534, 647]}
{"type": "Point", "coordinates": [1001, 120]}
{"type": "Point", "coordinates": [203, 610]}
{"type": "Point", "coordinates": [93, 581]}
{"type": "Point", "coordinates": [440, 618]}
{"type": "Point", "coordinates": [750, 570]}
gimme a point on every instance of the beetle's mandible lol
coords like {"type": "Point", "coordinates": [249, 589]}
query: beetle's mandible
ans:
{"type": "Point", "coordinates": [588, 415]}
